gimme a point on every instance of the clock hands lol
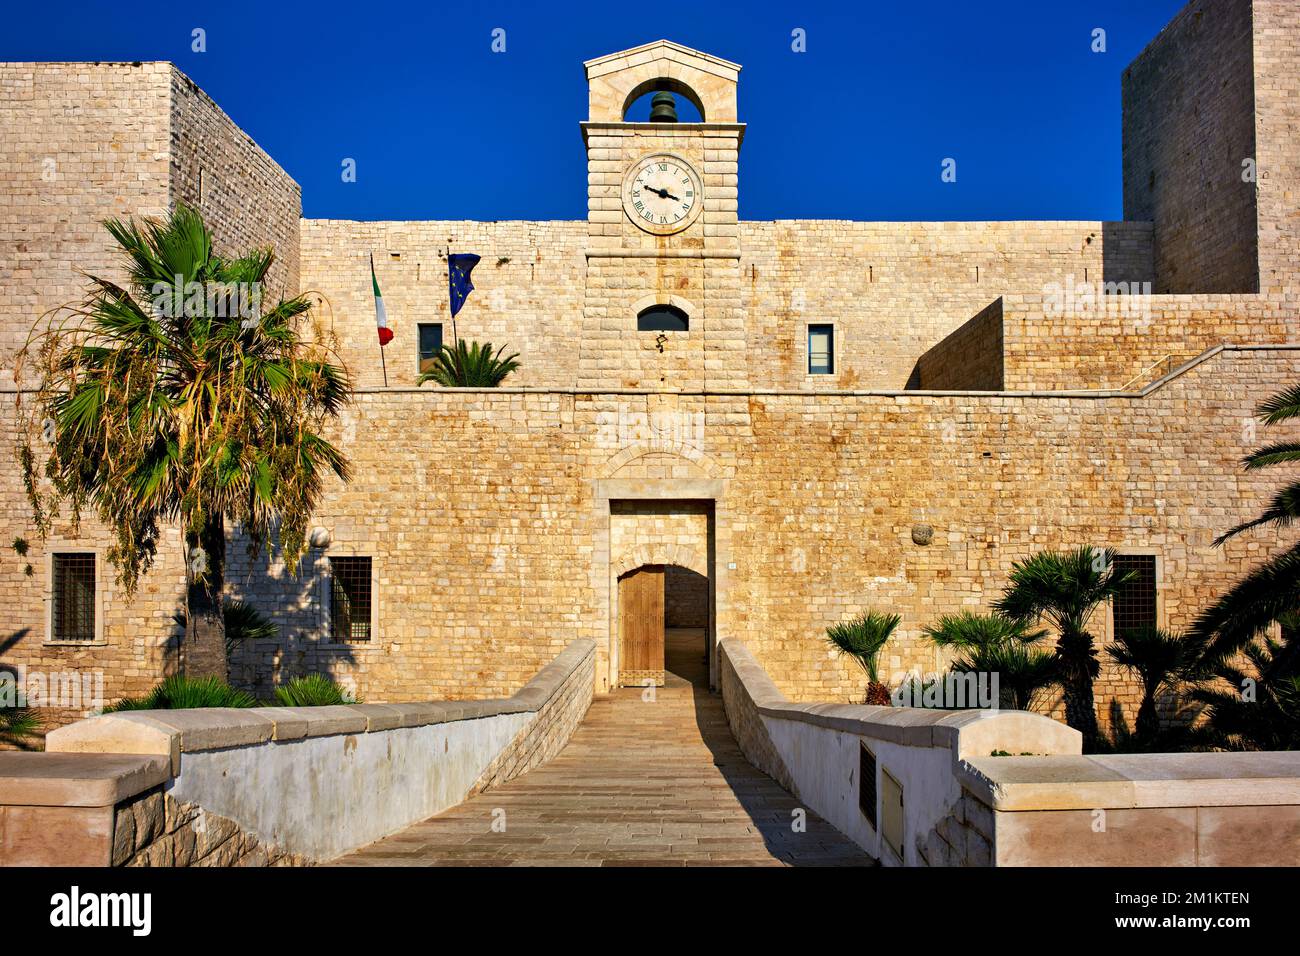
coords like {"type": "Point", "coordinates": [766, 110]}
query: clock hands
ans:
{"type": "Point", "coordinates": [661, 193]}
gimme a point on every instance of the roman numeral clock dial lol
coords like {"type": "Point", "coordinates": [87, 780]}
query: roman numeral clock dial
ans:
{"type": "Point", "coordinates": [662, 194]}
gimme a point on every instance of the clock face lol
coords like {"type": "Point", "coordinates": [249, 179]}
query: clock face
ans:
{"type": "Point", "coordinates": [662, 194]}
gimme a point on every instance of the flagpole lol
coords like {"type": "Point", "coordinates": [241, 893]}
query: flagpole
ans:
{"type": "Point", "coordinates": [455, 336]}
{"type": "Point", "coordinates": [382, 361]}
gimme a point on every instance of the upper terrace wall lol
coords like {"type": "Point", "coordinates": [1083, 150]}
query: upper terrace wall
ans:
{"type": "Point", "coordinates": [83, 142]}
{"type": "Point", "coordinates": [892, 290]}
{"type": "Point", "coordinates": [528, 291]}
{"type": "Point", "coordinates": [1132, 340]}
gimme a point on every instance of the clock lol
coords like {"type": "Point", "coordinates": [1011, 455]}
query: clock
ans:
{"type": "Point", "coordinates": [662, 194]}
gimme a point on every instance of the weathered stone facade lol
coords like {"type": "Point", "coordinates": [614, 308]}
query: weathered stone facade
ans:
{"type": "Point", "coordinates": [499, 521]}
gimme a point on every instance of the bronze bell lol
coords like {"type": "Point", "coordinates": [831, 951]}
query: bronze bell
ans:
{"type": "Point", "coordinates": [663, 108]}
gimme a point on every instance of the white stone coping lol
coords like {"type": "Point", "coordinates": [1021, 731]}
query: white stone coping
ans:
{"type": "Point", "coordinates": [967, 733]}
{"type": "Point", "coordinates": [174, 732]}
{"type": "Point", "coordinates": [77, 780]}
{"type": "Point", "coordinates": [1266, 778]}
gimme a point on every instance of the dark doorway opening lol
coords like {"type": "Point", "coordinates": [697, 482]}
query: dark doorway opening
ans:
{"type": "Point", "coordinates": [686, 624]}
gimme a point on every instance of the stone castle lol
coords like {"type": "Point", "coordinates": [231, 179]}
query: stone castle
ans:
{"type": "Point", "coordinates": [797, 419]}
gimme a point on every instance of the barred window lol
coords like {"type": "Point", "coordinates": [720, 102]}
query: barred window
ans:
{"type": "Point", "coordinates": [1135, 603]}
{"type": "Point", "coordinates": [350, 607]}
{"type": "Point", "coordinates": [73, 611]}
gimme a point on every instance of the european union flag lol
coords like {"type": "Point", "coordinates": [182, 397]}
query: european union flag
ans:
{"type": "Point", "coordinates": [459, 266]}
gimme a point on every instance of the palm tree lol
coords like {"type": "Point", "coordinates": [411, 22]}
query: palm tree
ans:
{"type": "Point", "coordinates": [469, 366]}
{"type": "Point", "coordinates": [1252, 701]}
{"type": "Point", "coordinates": [1161, 659]}
{"type": "Point", "coordinates": [862, 639]}
{"type": "Point", "coordinates": [1065, 588]}
{"type": "Point", "coordinates": [995, 644]}
{"type": "Point", "coordinates": [1271, 590]}
{"type": "Point", "coordinates": [180, 400]}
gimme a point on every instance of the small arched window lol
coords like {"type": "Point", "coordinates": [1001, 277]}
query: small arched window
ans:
{"type": "Point", "coordinates": [662, 318]}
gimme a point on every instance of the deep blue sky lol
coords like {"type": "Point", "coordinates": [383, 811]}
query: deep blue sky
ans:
{"type": "Point", "coordinates": [855, 128]}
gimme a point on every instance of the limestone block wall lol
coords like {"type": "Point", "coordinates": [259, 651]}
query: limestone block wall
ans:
{"type": "Point", "coordinates": [895, 290]}
{"type": "Point", "coordinates": [817, 501]}
{"type": "Point", "coordinates": [1132, 340]}
{"type": "Point", "coordinates": [527, 292]}
{"type": "Point", "coordinates": [246, 199]}
{"type": "Point", "coordinates": [79, 143]}
{"type": "Point", "coordinates": [137, 640]}
{"type": "Point", "coordinates": [503, 554]}
{"type": "Point", "coordinates": [1276, 30]}
{"type": "Point", "coordinates": [970, 359]}
{"type": "Point", "coordinates": [83, 142]}
{"type": "Point", "coordinates": [697, 269]}
{"type": "Point", "coordinates": [1189, 123]}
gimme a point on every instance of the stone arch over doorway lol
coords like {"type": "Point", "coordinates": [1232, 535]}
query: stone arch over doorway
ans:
{"type": "Point", "coordinates": [681, 555]}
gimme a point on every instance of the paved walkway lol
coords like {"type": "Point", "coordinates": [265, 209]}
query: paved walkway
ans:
{"type": "Point", "coordinates": [640, 784]}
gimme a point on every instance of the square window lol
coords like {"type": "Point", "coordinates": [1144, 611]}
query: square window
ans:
{"type": "Point", "coordinates": [350, 603]}
{"type": "Point", "coordinates": [72, 614]}
{"type": "Point", "coordinates": [1135, 603]}
{"type": "Point", "coordinates": [821, 350]}
{"type": "Point", "coordinates": [430, 338]}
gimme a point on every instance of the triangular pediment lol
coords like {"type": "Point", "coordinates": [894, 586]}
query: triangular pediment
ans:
{"type": "Point", "coordinates": [661, 50]}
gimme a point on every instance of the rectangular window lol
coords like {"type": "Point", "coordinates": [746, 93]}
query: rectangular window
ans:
{"type": "Point", "coordinates": [430, 343]}
{"type": "Point", "coordinates": [73, 611]}
{"type": "Point", "coordinates": [1135, 604]}
{"type": "Point", "coordinates": [821, 350]}
{"type": "Point", "coordinates": [351, 599]}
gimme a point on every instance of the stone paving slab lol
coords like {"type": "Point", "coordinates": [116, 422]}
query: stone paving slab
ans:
{"type": "Point", "coordinates": [642, 783]}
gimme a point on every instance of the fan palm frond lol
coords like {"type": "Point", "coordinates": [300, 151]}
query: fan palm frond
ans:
{"type": "Point", "coordinates": [470, 365]}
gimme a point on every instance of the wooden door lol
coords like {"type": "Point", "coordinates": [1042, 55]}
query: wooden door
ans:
{"type": "Point", "coordinates": [641, 627]}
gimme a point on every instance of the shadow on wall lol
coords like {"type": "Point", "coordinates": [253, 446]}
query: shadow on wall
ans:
{"type": "Point", "coordinates": [1127, 255]}
{"type": "Point", "coordinates": [298, 604]}
{"type": "Point", "coordinates": [686, 597]}
{"type": "Point", "coordinates": [969, 359]}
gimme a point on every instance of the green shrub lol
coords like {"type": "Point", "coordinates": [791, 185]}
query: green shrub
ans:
{"type": "Point", "coordinates": [314, 690]}
{"type": "Point", "coordinates": [179, 692]}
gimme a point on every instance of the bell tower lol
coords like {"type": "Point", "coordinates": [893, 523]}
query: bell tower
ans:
{"type": "Point", "coordinates": [663, 308]}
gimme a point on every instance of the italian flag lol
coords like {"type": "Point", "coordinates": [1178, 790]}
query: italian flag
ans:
{"type": "Point", "coordinates": [381, 316]}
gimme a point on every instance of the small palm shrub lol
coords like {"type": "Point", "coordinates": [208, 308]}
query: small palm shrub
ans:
{"type": "Point", "coordinates": [470, 365]}
{"type": "Point", "coordinates": [1065, 588]}
{"type": "Point", "coordinates": [862, 639]}
{"type": "Point", "coordinates": [17, 724]}
{"type": "Point", "coordinates": [180, 692]}
{"type": "Point", "coordinates": [995, 644]}
{"type": "Point", "coordinates": [314, 690]}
